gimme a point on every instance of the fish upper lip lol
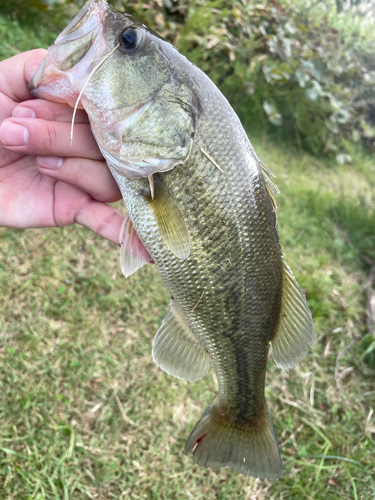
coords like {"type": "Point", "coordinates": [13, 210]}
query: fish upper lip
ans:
{"type": "Point", "coordinates": [99, 8]}
{"type": "Point", "coordinates": [96, 11]}
{"type": "Point", "coordinates": [43, 79]}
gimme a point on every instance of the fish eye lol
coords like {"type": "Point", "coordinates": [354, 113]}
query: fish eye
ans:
{"type": "Point", "coordinates": [128, 39]}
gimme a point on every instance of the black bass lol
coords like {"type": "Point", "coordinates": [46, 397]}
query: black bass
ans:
{"type": "Point", "coordinates": [201, 206]}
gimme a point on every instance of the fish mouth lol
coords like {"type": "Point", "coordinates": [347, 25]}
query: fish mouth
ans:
{"type": "Point", "coordinates": [73, 56]}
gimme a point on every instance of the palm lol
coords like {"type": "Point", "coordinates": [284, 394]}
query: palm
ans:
{"type": "Point", "coordinates": [30, 199]}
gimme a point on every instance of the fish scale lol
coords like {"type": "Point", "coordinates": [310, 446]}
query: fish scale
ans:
{"type": "Point", "coordinates": [202, 207]}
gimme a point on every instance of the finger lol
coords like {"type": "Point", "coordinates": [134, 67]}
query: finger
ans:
{"type": "Point", "coordinates": [7, 157]}
{"type": "Point", "coordinates": [14, 80]}
{"type": "Point", "coordinates": [7, 106]}
{"type": "Point", "coordinates": [90, 176]}
{"type": "Point", "coordinates": [50, 111]}
{"type": "Point", "coordinates": [16, 72]}
{"type": "Point", "coordinates": [102, 219]}
{"type": "Point", "coordinates": [40, 137]}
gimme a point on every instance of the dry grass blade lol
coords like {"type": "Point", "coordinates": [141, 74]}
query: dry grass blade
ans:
{"type": "Point", "coordinates": [200, 298]}
{"type": "Point", "coordinates": [212, 161]}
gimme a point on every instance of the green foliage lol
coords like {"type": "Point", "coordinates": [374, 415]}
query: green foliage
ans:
{"type": "Point", "coordinates": [32, 14]}
{"type": "Point", "coordinates": [30, 24]}
{"type": "Point", "coordinates": [16, 39]}
{"type": "Point", "coordinates": [24, 9]}
{"type": "Point", "coordinates": [314, 83]}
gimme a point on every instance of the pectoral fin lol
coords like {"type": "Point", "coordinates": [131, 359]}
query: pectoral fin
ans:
{"type": "Point", "coordinates": [170, 221]}
{"type": "Point", "coordinates": [296, 331]}
{"type": "Point", "coordinates": [133, 253]}
{"type": "Point", "coordinates": [176, 350]}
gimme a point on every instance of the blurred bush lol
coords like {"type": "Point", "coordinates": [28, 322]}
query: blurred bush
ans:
{"type": "Point", "coordinates": [27, 24]}
{"type": "Point", "coordinates": [295, 68]}
{"type": "Point", "coordinates": [35, 13]}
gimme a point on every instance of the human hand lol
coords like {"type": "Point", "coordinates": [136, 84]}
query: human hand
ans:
{"type": "Point", "coordinates": [45, 182]}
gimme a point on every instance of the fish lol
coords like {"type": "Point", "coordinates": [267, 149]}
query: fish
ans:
{"type": "Point", "coordinates": [201, 206]}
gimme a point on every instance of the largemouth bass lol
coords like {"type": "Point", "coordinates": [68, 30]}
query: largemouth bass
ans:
{"type": "Point", "coordinates": [201, 206]}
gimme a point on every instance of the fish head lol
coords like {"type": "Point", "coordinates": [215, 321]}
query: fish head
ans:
{"type": "Point", "coordinates": [134, 86]}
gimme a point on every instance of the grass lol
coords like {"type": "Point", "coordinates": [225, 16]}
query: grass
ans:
{"type": "Point", "coordinates": [86, 414]}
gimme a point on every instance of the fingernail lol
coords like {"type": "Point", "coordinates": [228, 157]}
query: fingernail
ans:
{"type": "Point", "coordinates": [23, 112]}
{"type": "Point", "coordinates": [51, 162]}
{"type": "Point", "coordinates": [13, 134]}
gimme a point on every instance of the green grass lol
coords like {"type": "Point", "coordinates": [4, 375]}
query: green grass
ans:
{"type": "Point", "coordinates": [86, 414]}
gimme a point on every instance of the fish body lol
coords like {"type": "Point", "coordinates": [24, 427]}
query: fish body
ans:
{"type": "Point", "coordinates": [201, 204]}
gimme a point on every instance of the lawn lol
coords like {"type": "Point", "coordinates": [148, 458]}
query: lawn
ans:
{"type": "Point", "coordinates": [85, 412]}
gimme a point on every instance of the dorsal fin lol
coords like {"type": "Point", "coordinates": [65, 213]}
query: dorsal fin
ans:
{"type": "Point", "coordinates": [176, 350]}
{"type": "Point", "coordinates": [295, 331]}
{"type": "Point", "coordinates": [271, 186]}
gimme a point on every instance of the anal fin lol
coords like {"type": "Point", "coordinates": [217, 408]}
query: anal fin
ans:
{"type": "Point", "coordinates": [133, 253]}
{"type": "Point", "coordinates": [176, 350]}
{"type": "Point", "coordinates": [295, 331]}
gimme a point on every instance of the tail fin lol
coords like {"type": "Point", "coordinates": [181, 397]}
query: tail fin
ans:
{"type": "Point", "coordinates": [247, 447]}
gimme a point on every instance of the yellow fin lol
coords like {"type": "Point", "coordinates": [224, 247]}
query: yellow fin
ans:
{"type": "Point", "coordinates": [247, 447]}
{"type": "Point", "coordinates": [176, 350]}
{"type": "Point", "coordinates": [295, 331]}
{"type": "Point", "coordinates": [272, 189]}
{"type": "Point", "coordinates": [170, 221]}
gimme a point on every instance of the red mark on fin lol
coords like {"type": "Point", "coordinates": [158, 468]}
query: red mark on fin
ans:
{"type": "Point", "coordinates": [198, 442]}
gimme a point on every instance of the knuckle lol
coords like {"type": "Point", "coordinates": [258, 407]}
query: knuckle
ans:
{"type": "Point", "coordinates": [102, 228]}
{"type": "Point", "coordinates": [51, 137]}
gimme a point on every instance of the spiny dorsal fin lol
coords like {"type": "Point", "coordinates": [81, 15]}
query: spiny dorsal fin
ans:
{"type": "Point", "coordinates": [271, 186]}
{"type": "Point", "coordinates": [295, 331]}
{"type": "Point", "coordinates": [176, 350]}
{"type": "Point", "coordinates": [133, 254]}
{"type": "Point", "coordinates": [170, 221]}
